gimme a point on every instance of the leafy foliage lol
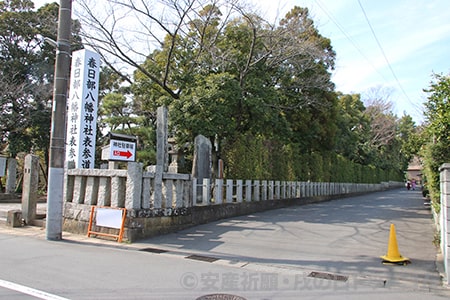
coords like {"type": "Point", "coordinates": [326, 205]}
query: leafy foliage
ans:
{"type": "Point", "coordinates": [261, 92]}
{"type": "Point", "coordinates": [26, 75]}
{"type": "Point", "coordinates": [437, 132]}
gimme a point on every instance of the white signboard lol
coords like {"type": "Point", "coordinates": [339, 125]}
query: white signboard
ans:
{"type": "Point", "coordinates": [83, 105]}
{"type": "Point", "coordinates": [2, 166]}
{"type": "Point", "coordinates": [122, 150]}
{"type": "Point", "coordinates": [107, 217]}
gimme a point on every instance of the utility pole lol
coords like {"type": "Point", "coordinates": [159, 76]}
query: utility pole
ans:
{"type": "Point", "coordinates": [55, 188]}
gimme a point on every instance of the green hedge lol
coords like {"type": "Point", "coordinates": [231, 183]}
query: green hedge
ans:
{"type": "Point", "coordinates": [253, 157]}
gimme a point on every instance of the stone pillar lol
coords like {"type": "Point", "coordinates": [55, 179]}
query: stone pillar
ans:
{"type": "Point", "coordinates": [264, 190]}
{"type": "Point", "coordinates": [104, 189]}
{"type": "Point", "coordinates": [79, 188]}
{"type": "Point", "coordinates": [298, 189]}
{"type": "Point", "coordinates": [271, 190]}
{"type": "Point", "coordinates": [11, 174]}
{"type": "Point", "coordinates": [218, 191]}
{"type": "Point", "coordinates": [256, 190]}
{"type": "Point", "coordinates": [239, 188]}
{"type": "Point", "coordinates": [169, 192]}
{"type": "Point", "coordinates": [445, 211]}
{"type": "Point", "coordinates": [134, 186]}
{"type": "Point", "coordinates": [117, 187]}
{"type": "Point", "coordinates": [194, 191]}
{"type": "Point", "coordinates": [206, 195]}
{"type": "Point", "coordinates": [201, 166]}
{"type": "Point", "coordinates": [30, 188]}
{"type": "Point", "coordinates": [229, 192]}
{"type": "Point", "coordinates": [202, 158]}
{"type": "Point", "coordinates": [248, 190]}
{"type": "Point", "coordinates": [91, 195]}
{"type": "Point", "coordinates": [277, 190]}
{"type": "Point", "coordinates": [179, 194]}
{"type": "Point", "coordinates": [162, 156]}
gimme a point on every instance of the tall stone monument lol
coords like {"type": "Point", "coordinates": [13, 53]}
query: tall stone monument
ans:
{"type": "Point", "coordinates": [201, 167]}
{"type": "Point", "coordinates": [162, 157]}
{"type": "Point", "coordinates": [30, 187]}
{"type": "Point", "coordinates": [11, 173]}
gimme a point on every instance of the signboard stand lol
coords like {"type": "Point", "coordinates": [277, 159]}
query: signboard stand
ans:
{"type": "Point", "coordinates": [109, 217]}
{"type": "Point", "coordinates": [121, 148]}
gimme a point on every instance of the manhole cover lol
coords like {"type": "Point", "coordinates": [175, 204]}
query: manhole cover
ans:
{"type": "Point", "coordinates": [328, 276]}
{"type": "Point", "coordinates": [220, 297]}
{"type": "Point", "coordinates": [203, 258]}
{"type": "Point", "coordinates": [153, 250]}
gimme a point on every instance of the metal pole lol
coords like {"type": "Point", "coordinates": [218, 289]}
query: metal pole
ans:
{"type": "Point", "coordinates": [58, 127]}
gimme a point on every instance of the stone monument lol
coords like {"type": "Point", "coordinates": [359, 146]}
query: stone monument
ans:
{"type": "Point", "coordinates": [201, 167]}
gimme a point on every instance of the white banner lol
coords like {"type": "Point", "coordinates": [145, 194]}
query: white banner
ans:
{"type": "Point", "coordinates": [83, 106]}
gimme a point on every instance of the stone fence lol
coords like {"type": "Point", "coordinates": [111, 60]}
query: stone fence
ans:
{"type": "Point", "coordinates": [159, 203]}
{"type": "Point", "coordinates": [444, 218]}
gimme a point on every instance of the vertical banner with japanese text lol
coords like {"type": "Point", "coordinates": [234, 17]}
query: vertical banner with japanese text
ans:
{"type": "Point", "coordinates": [82, 108]}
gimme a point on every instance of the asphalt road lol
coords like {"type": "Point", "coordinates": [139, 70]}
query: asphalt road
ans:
{"type": "Point", "coordinates": [329, 250]}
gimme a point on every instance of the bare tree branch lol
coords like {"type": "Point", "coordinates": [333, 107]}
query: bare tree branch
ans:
{"type": "Point", "coordinates": [379, 111]}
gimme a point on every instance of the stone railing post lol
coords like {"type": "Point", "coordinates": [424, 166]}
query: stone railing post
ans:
{"type": "Point", "coordinates": [283, 190]}
{"type": "Point", "coordinates": [134, 185]}
{"type": "Point", "coordinates": [271, 190]}
{"type": "Point", "coordinates": [229, 192]}
{"type": "Point", "coordinates": [277, 190]}
{"type": "Point", "coordinates": [445, 213]}
{"type": "Point", "coordinates": [194, 191]}
{"type": "Point", "coordinates": [69, 183]}
{"type": "Point", "coordinates": [248, 190]}
{"type": "Point", "coordinates": [264, 190]}
{"type": "Point", "coordinates": [256, 190]}
{"type": "Point", "coordinates": [239, 188]}
{"type": "Point", "coordinates": [169, 193]}
{"type": "Point", "coordinates": [218, 191]}
{"type": "Point", "coordinates": [206, 197]}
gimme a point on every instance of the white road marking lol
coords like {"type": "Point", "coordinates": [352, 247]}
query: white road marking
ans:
{"type": "Point", "coordinates": [29, 291]}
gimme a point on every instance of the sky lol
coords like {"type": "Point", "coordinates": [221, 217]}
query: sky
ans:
{"type": "Point", "coordinates": [392, 44]}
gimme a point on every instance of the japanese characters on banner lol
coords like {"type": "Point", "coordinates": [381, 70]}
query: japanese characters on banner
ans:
{"type": "Point", "coordinates": [82, 108]}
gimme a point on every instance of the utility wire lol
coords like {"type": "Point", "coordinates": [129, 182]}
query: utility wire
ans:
{"type": "Point", "coordinates": [330, 16]}
{"type": "Point", "coordinates": [384, 54]}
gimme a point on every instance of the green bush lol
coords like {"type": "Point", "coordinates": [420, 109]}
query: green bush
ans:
{"type": "Point", "coordinates": [253, 157]}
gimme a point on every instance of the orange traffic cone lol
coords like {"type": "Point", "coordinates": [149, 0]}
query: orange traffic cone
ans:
{"type": "Point", "coordinates": [393, 255]}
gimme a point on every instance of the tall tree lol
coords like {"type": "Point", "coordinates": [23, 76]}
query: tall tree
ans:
{"type": "Point", "coordinates": [225, 73]}
{"type": "Point", "coordinates": [436, 149]}
{"type": "Point", "coordinates": [410, 136]}
{"type": "Point", "coordinates": [384, 143]}
{"type": "Point", "coordinates": [26, 74]}
{"type": "Point", "coordinates": [353, 129]}
{"type": "Point", "coordinates": [18, 44]}
{"type": "Point", "coordinates": [222, 69]}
